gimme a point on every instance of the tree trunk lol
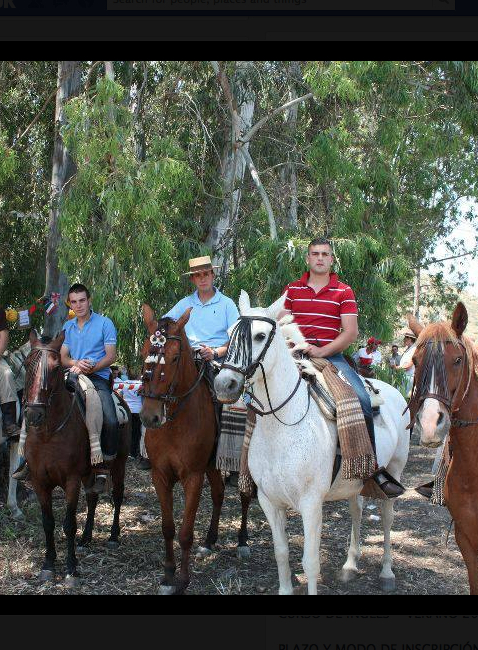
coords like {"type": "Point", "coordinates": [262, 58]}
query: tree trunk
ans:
{"type": "Point", "coordinates": [69, 80]}
{"type": "Point", "coordinates": [416, 293]}
{"type": "Point", "coordinates": [289, 171]}
{"type": "Point", "coordinates": [233, 166]}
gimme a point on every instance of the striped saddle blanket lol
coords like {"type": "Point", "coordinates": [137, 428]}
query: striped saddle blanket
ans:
{"type": "Point", "coordinates": [231, 439]}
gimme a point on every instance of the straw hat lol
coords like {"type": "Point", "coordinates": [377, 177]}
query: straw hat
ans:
{"type": "Point", "coordinates": [200, 264]}
{"type": "Point", "coordinates": [410, 335]}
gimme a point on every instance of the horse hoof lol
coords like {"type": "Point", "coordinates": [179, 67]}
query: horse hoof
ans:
{"type": "Point", "coordinates": [46, 575]}
{"type": "Point", "coordinates": [203, 552]}
{"type": "Point", "coordinates": [112, 545]}
{"type": "Point", "coordinates": [243, 553]}
{"type": "Point", "coordinates": [167, 590]}
{"type": "Point", "coordinates": [347, 575]}
{"type": "Point", "coordinates": [72, 582]}
{"type": "Point", "coordinates": [387, 584]}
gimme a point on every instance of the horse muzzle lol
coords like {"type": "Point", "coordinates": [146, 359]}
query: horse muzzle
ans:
{"type": "Point", "coordinates": [229, 386]}
{"type": "Point", "coordinates": [153, 418]}
{"type": "Point", "coordinates": [432, 428]}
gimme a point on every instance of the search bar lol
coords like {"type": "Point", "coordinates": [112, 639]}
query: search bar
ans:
{"type": "Point", "coordinates": [275, 5]}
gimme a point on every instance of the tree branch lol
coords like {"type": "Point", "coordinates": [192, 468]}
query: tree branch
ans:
{"type": "Point", "coordinates": [267, 117]}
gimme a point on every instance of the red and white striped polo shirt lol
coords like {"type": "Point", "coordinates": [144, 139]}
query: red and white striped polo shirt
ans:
{"type": "Point", "coordinates": [319, 314]}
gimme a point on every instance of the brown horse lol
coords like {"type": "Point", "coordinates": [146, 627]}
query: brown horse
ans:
{"type": "Point", "coordinates": [58, 453]}
{"type": "Point", "coordinates": [445, 400]}
{"type": "Point", "coordinates": [178, 412]}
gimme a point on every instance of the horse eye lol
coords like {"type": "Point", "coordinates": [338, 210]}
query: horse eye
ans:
{"type": "Point", "coordinates": [260, 337]}
{"type": "Point", "coordinates": [176, 358]}
{"type": "Point", "coordinates": [458, 361]}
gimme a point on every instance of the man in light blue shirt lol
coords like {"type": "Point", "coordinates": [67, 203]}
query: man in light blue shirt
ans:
{"type": "Point", "coordinates": [212, 313]}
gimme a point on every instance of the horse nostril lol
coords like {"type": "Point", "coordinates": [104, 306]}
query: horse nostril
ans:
{"type": "Point", "coordinates": [232, 385]}
{"type": "Point", "coordinates": [440, 418]}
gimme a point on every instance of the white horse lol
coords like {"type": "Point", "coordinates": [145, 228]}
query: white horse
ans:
{"type": "Point", "coordinates": [15, 360]}
{"type": "Point", "coordinates": [292, 465]}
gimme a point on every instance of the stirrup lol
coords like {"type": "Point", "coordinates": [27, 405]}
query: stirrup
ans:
{"type": "Point", "coordinates": [389, 486]}
{"type": "Point", "coordinates": [426, 490]}
{"type": "Point", "coordinates": [100, 485]}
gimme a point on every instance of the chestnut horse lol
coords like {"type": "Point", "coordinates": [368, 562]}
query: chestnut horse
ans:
{"type": "Point", "coordinates": [178, 413]}
{"type": "Point", "coordinates": [58, 453]}
{"type": "Point", "coordinates": [445, 400]}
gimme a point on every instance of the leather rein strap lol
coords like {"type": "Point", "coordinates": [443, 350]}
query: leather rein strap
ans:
{"type": "Point", "coordinates": [249, 370]}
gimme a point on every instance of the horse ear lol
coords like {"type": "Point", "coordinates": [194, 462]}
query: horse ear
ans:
{"type": "Point", "coordinates": [459, 320]}
{"type": "Point", "coordinates": [148, 316]}
{"type": "Point", "coordinates": [33, 337]}
{"type": "Point", "coordinates": [58, 342]}
{"type": "Point", "coordinates": [276, 307]}
{"type": "Point", "coordinates": [181, 322]}
{"type": "Point", "coordinates": [244, 302]}
{"type": "Point", "coordinates": [414, 324]}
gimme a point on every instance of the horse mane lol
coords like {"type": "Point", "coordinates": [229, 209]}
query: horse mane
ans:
{"type": "Point", "coordinates": [438, 332]}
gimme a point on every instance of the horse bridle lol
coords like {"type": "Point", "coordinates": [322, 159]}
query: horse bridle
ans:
{"type": "Point", "coordinates": [44, 385]}
{"type": "Point", "coordinates": [243, 328]}
{"type": "Point", "coordinates": [435, 361]}
{"type": "Point", "coordinates": [155, 357]}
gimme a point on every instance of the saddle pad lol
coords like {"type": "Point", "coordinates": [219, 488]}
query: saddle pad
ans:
{"type": "Point", "coordinates": [121, 413]}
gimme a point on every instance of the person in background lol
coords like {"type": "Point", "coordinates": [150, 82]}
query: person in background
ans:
{"type": "Point", "coordinates": [394, 358]}
{"type": "Point", "coordinates": [115, 372]}
{"type": "Point", "coordinates": [370, 355]}
{"type": "Point", "coordinates": [406, 362]}
{"type": "Point", "coordinates": [8, 388]}
{"type": "Point", "coordinates": [129, 392]}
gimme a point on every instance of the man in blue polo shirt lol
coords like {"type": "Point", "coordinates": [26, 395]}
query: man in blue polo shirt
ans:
{"type": "Point", "coordinates": [89, 348]}
{"type": "Point", "coordinates": [211, 316]}
{"type": "Point", "coordinates": [212, 313]}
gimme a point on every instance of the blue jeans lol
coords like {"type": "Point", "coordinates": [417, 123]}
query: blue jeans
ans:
{"type": "Point", "coordinates": [353, 378]}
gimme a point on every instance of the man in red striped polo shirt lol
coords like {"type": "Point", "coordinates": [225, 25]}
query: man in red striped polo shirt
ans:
{"type": "Point", "coordinates": [326, 312]}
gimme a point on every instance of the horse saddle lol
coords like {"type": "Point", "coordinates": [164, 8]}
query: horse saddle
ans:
{"type": "Point", "coordinates": [90, 403]}
{"type": "Point", "coordinates": [325, 400]}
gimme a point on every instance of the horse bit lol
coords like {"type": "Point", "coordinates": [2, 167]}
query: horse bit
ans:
{"type": "Point", "coordinates": [249, 370]}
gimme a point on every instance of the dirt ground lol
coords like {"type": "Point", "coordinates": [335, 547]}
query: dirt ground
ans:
{"type": "Point", "coordinates": [423, 563]}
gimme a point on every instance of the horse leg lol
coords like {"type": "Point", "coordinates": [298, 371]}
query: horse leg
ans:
{"type": "Point", "coordinates": [470, 556]}
{"type": "Point", "coordinates": [277, 520]}
{"type": "Point", "coordinates": [192, 490]}
{"type": "Point", "coordinates": [12, 483]}
{"type": "Point", "coordinates": [387, 577]}
{"type": "Point", "coordinates": [69, 528]}
{"type": "Point", "coordinates": [118, 494]}
{"type": "Point", "coordinates": [48, 569]}
{"type": "Point", "coordinates": [87, 535]}
{"type": "Point", "coordinates": [350, 569]}
{"type": "Point", "coordinates": [243, 550]}
{"type": "Point", "coordinates": [217, 493]}
{"type": "Point", "coordinates": [312, 519]}
{"type": "Point", "coordinates": [164, 491]}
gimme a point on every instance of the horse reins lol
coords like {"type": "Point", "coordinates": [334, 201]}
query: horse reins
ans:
{"type": "Point", "coordinates": [241, 345]}
{"type": "Point", "coordinates": [155, 357]}
{"type": "Point", "coordinates": [43, 360]}
{"type": "Point", "coordinates": [436, 361]}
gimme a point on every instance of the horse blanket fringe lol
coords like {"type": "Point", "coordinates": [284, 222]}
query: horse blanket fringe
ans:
{"type": "Point", "coordinates": [246, 483]}
{"type": "Point", "coordinates": [233, 424]}
{"type": "Point", "coordinates": [438, 497]}
{"type": "Point", "coordinates": [358, 458]}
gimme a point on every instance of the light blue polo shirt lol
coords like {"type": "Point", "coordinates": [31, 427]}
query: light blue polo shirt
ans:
{"type": "Point", "coordinates": [208, 322]}
{"type": "Point", "coordinates": [89, 342]}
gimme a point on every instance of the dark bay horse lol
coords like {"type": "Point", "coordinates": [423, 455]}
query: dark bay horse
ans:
{"type": "Point", "coordinates": [178, 412]}
{"type": "Point", "coordinates": [445, 400]}
{"type": "Point", "coordinates": [58, 453]}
